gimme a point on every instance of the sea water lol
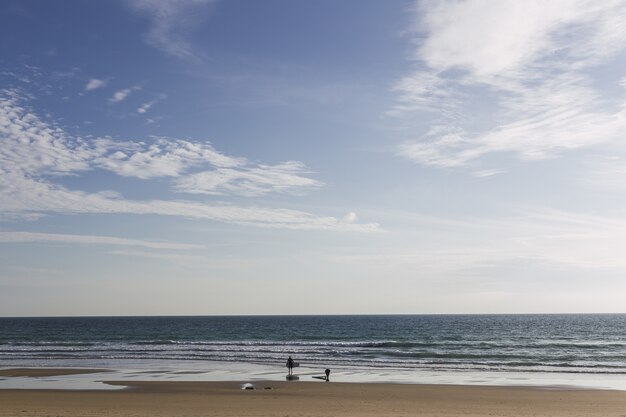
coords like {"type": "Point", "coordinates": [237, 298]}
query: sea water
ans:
{"type": "Point", "coordinates": [418, 348]}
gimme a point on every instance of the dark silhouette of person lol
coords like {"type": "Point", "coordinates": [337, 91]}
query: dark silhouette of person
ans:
{"type": "Point", "coordinates": [327, 372]}
{"type": "Point", "coordinates": [290, 365]}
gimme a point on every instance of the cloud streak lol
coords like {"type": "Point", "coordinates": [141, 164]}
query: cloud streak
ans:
{"type": "Point", "coordinates": [252, 181]}
{"type": "Point", "coordinates": [170, 21]}
{"type": "Point", "coordinates": [533, 61]}
{"type": "Point", "coordinates": [143, 109]}
{"type": "Point", "coordinates": [121, 95]}
{"type": "Point", "coordinates": [34, 155]}
{"type": "Point", "coordinates": [552, 238]}
{"type": "Point", "coordinates": [31, 237]}
{"type": "Point", "coordinates": [94, 84]}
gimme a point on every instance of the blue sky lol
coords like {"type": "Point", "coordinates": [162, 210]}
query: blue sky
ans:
{"type": "Point", "coordinates": [292, 157]}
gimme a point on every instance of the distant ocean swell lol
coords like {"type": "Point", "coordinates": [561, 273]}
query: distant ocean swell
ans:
{"type": "Point", "coordinates": [571, 344]}
{"type": "Point", "coordinates": [545, 358]}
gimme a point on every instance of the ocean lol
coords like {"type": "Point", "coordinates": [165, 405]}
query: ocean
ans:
{"type": "Point", "coordinates": [576, 344]}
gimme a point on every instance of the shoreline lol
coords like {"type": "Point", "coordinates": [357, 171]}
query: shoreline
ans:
{"type": "Point", "coordinates": [306, 398]}
{"type": "Point", "coordinates": [89, 376]}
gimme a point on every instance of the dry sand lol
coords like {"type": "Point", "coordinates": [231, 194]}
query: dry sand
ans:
{"type": "Point", "coordinates": [226, 399]}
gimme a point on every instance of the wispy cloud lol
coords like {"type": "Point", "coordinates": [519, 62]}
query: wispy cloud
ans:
{"type": "Point", "coordinates": [184, 260]}
{"type": "Point", "coordinates": [94, 84]}
{"type": "Point", "coordinates": [606, 173]}
{"type": "Point", "coordinates": [350, 217]}
{"type": "Point", "coordinates": [485, 173]}
{"type": "Point", "coordinates": [20, 10]}
{"type": "Point", "coordinates": [534, 235]}
{"type": "Point", "coordinates": [35, 154]}
{"type": "Point", "coordinates": [147, 105]}
{"type": "Point", "coordinates": [121, 95]}
{"type": "Point", "coordinates": [32, 237]}
{"type": "Point", "coordinates": [423, 91]}
{"type": "Point", "coordinates": [249, 181]}
{"type": "Point", "coordinates": [529, 65]}
{"type": "Point", "coordinates": [162, 157]}
{"type": "Point", "coordinates": [193, 261]}
{"type": "Point", "coordinates": [170, 22]}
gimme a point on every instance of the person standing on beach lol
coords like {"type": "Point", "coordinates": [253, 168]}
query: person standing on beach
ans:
{"type": "Point", "coordinates": [290, 365]}
{"type": "Point", "coordinates": [327, 372]}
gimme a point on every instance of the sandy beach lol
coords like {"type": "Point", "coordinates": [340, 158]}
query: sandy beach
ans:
{"type": "Point", "coordinates": [272, 398]}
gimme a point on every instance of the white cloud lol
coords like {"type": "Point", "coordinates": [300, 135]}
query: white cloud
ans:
{"type": "Point", "coordinates": [94, 84]}
{"type": "Point", "coordinates": [552, 238]}
{"type": "Point", "coordinates": [485, 173]}
{"type": "Point", "coordinates": [170, 21]}
{"type": "Point", "coordinates": [530, 64]}
{"type": "Point", "coordinates": [121, 95]}
{"type": "Point", "coordinates": [509, 39]}
{"type": "Point", "coordinates": [163, 157]}
{"type": "Point", "coordinates": [438, 148]}
{"type": "Point", "coordinates": [422, 91]}
{"type": "Point", "coordinates": [146, 106]}
{"type": "Point", "coordinates": [248, 181]}
{"type": "Point", "coordinates": [350, 217]}
{"type": "Point", "coordinates": [31, 147]}
{"type": "Point", "coordinates": [34, 154]}
{"type": "Point", "coordinates": [32, 237]}
{"type": "Point", "coordinates": [486, 38]}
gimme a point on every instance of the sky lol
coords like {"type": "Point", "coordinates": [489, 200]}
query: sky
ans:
{"type": "Point", "coordinates": [200, 157]}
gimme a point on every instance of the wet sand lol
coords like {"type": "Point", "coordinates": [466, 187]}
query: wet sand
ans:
{"type": "Point", "coordinates": [43, 372]}
{"type": "Point", "coordinates": [226, 399]}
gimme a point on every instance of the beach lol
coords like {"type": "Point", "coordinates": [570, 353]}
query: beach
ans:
{"type": "Point", "coordinates": [311, 399]}
{"type": "Point", "coordinates": [503, 365]}
{"type": "Point", "coordinates": [300, 398]}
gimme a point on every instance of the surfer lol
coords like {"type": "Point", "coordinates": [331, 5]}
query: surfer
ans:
{"type": "Point", "coordinates": [290, 365]}
{"type": "Point", "coordinates": [327, 372]}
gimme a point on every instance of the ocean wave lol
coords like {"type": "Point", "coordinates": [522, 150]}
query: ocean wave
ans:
{"type": "Point", "coordinates": [580, 344]}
